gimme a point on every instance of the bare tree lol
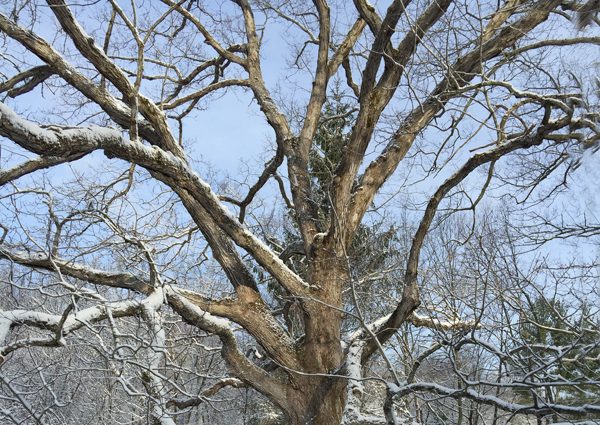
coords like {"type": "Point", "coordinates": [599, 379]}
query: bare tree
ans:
{"type": "Point", "coordinates": [141, 267]}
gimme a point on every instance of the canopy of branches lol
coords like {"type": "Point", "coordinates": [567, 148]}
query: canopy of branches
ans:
{"type": "Point", "coordinates": [324, 212]}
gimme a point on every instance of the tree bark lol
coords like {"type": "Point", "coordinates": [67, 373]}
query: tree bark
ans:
{"type": "Point", "coordinates": [321, 401]}
{"type": "Point", "coordinates": [321, 354]}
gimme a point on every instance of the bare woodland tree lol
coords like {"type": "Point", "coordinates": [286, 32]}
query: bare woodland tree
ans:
{"type": "Point", "coordinates": [139, 287]}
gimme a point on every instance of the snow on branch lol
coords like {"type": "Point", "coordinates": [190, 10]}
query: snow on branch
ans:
{"type": "Point", "coordinates": [182, 403]}
{"type": "Point", "coordinates": [541, 408]}
{"type": "Point", "coordinates": [82, 272]}
{"type": "Point", "coordinates": [59, 325]}
{"type": "Point", "coordinates": [355, 389]}
{"type": "Point", "coordinates": [167, 167]}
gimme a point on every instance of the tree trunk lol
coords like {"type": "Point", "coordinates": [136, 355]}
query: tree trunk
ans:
{"type": "Point", "coordinates": [328, 271]}
{"type": "Point", "coordinates": [322, 397]}
{"type": "Point", "coordinates": [321, 402]}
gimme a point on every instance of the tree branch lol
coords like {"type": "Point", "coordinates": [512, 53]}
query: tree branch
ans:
{"type": "Point", "coordinates": [379, 170]}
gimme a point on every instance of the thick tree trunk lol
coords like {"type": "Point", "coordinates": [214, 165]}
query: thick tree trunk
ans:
{"type": "Point", "coordinates": [328, 409]}
{"type": "Point", "coordinates": [328, 273]}
{"type": "Point", "coordinates": [322, 397]}
{"type": "Point", "coordinates": [322, 349]}
{"type": "Point", "coordinates": [321, 403]}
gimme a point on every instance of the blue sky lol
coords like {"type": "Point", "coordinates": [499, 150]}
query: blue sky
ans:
{"type": "Point", "coordinates": [232, 131]}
